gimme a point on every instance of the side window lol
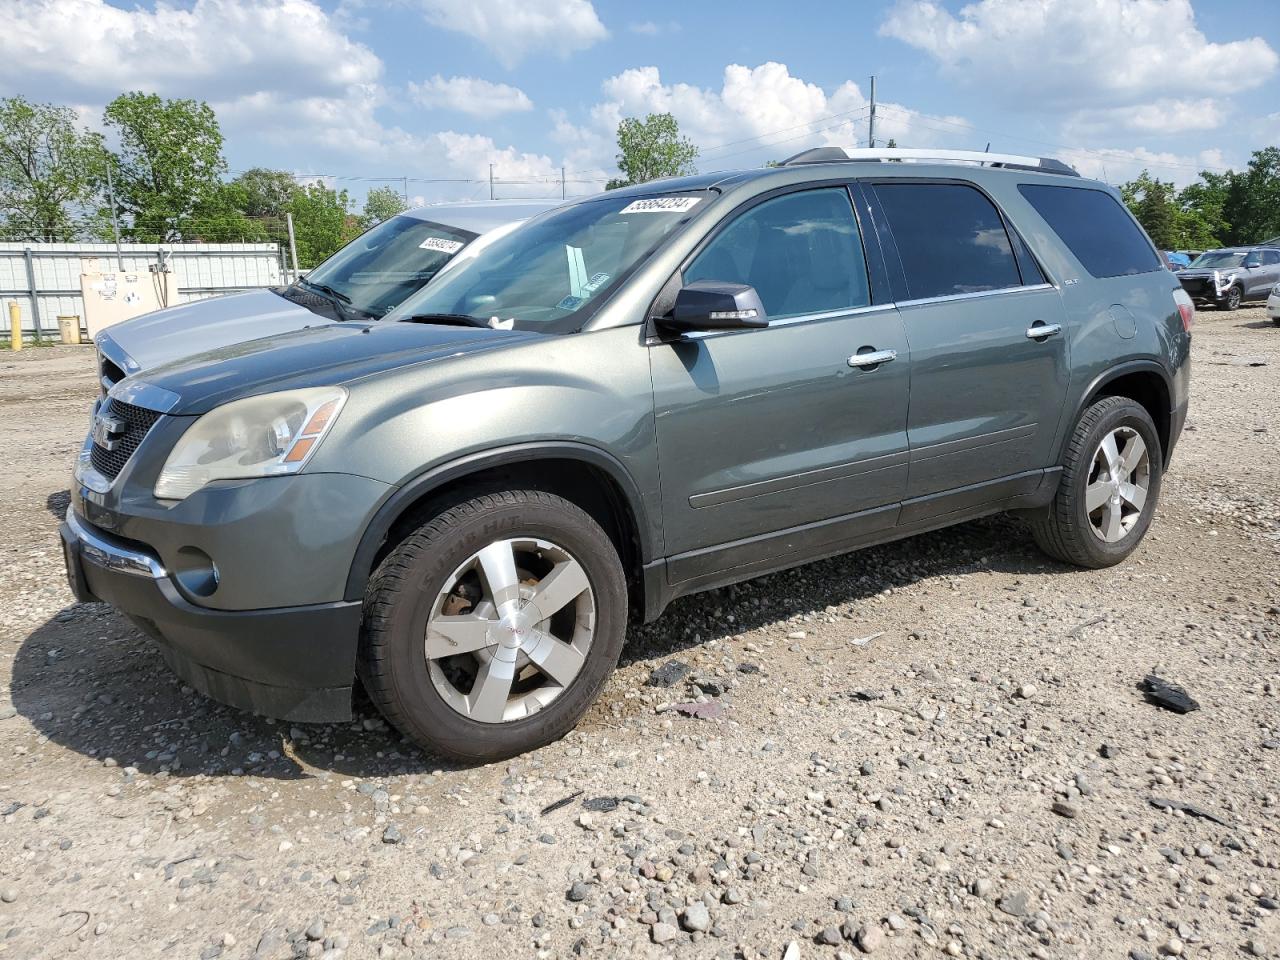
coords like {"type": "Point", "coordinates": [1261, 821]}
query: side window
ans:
{"type": "Point", "coordinates": [950, 239]}
{"type": "Point", "coordinates": [1270, 257]}
{"type": "Point", "coordinates": [1100, 233]}
{"type": "Point", "coordinates": [802, 253]}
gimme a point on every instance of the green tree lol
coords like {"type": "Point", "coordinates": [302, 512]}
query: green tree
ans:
{"type": "Point", "coordinates": [382, 203]}
{"type": "Point", "coordinates": [262, 193]}
{"type": "Point", "coordinates": [652, 148]}
{"type": "Point", "coordinates": [1201, 204]}
{"type": "Point", "coordinates": [322, 223]}
{"type": "Point", "coordinates": [1252, 203]}
{"type": "Point", "coordinates": [50, 169]}
{"type": "Point", "coordinates": [169, 168]}
{"type": "Point", "coordinates": [1154, 203]}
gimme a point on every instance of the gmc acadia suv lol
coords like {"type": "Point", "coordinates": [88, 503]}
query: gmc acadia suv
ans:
{"type": "Point", "coordinates": [651, 392]}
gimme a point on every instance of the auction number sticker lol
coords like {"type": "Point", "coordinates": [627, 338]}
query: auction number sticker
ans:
{"type": "Point", "coordinates": [441, 244]}
{"type": "Point", "coordinates": [661, 205]}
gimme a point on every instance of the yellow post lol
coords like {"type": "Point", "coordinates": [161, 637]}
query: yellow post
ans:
{"type": "Point", "coordinates": [15, 325]}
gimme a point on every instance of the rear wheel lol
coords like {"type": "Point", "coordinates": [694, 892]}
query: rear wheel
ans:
{"type": "Point", "coordinates": [492, 628]}
{"type": "Point", "coordinates": [1109, 487]}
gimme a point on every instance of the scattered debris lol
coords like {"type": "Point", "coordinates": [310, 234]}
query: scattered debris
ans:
{"type": "Point", "coordinates": [701, 711]}
{"type": "Point", "coordinates": [669, 674]}
{"type": "Point", "coordinates": [866, 696]}
{"type": "Point", "coordinates": [1166, 694]}
{"type": "Point", "coordinates": [748, 668]}
{"type": "Point", "coordinates": [601, 804]}
{"type": "Point", "coordinates": [863, 641]}
{"type": "Point", "coordinates": [1190, 809]}
{"type": "Point", "coordinates": [562, 802]}
{"type": "Point", "coordinates": [1064, 809]}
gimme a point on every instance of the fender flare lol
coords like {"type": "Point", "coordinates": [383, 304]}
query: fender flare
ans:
{"type": "Point", "coordinates": [1115, 373]}
{"type": "Point", "coordinates": [412, 490]}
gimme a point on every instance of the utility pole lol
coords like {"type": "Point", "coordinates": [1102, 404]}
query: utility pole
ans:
{"type": "Point", "coordinates": [293, 245]}
{"type": "Point", "coordinates": [115, 220]}
{"type": "Point", "coordinates": [871, 119]}
{"type": "Point", "coordinates": [406, 190]}
{"type": "Point", "coordinates": [491, 181]}
{"type": "Point", "coordinates": [562, 183]}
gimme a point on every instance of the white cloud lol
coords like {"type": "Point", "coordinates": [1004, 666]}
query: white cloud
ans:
{"type": "Point", "coordinates": [1160, 117]}
{"type": "Point", "coordinates": [757, 114]}
{"type": "Point", "coordinates": [651, 28]}
{"type": "Point", "coordinates": [1068, 52]}
{"type": "Point", "coordinates": [513, 29]}
{"type": "Point", "coordinates": [480, 98]}
{"type": "Point", "coordinates": [211, 49]}
{"type": "Point", "coordinates": [1118, 165]}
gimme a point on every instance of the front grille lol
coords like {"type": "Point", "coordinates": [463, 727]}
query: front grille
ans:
{"type": "Point", "coordinates": [1198, 286]}
{"type": "Point", "coordinates": [137, 420]}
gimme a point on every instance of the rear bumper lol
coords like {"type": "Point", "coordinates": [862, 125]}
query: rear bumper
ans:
{"type": "Point", "coordinates": [293, 663]}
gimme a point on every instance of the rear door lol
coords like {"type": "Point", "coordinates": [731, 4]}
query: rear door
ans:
{"type": "Point", "coordinates": [988, 350]}
{"type": "Point", "coordinates": [777, 440]}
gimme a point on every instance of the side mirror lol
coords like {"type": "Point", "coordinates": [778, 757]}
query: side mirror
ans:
{"type": "Point", "coordinates": [715, 305]}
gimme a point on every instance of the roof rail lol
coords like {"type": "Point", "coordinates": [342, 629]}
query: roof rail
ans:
{"type": "Point", "coordinates": [886, 155]}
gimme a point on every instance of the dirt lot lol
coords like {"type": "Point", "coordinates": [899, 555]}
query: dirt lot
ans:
{"type": "Point", "coordinates": [976, 779]}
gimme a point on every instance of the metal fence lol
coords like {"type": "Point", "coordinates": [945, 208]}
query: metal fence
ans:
{"type": "Point", "coordinates": [44, 278]}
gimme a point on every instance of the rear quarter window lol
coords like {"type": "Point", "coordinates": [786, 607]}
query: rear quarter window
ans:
{"type": "Point", "coordinates": [1096, 229]}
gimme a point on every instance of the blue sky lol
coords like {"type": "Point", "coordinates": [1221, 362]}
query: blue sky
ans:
{"type": "Point", "coordinates": [437, 90]}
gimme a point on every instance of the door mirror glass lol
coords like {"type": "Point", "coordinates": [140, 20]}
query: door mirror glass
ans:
{"type": "Point", "coordinates": [1253, 260]}
{"type": "Point", "coordinates": [715, 305]}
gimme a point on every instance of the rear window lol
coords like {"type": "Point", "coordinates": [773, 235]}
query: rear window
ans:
{"type": "Point", "coordinates": [1095, 227]}
{"type": "Point", "coordinates": [950, 239]}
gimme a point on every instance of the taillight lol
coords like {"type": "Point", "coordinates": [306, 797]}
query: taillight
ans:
{"type": "Point", "coordinates": [1188, 314]}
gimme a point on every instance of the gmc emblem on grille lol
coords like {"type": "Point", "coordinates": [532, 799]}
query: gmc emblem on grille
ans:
{"type": "Point", "coordinates": [107, 431]}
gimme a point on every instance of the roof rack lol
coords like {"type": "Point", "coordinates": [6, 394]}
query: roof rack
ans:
{"type": "Point", "coordinates": [910, 155]}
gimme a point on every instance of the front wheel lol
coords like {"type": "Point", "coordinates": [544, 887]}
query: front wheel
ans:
{"type": "Point", "coordinates": [1232, 299]}
{"type": "Point", "coordinates": [492, 628]}
{"type": "Point", "coordinates": [1108, 490]}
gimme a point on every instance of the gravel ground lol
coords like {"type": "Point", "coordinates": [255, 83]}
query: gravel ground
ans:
{"type": "Point", "coordinates": [936, 746]}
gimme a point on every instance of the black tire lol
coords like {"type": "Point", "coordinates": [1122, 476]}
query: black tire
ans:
{"type": "Point", "coordinates": [1063, 530]}
{"type": "Point", "coordinates": [392, 663]}
{"type": "Point", "coordinates": [1276, 321]}
{"type": "Point", "coordinates": [1233, 299]}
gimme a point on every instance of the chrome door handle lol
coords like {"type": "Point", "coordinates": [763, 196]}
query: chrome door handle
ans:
{"type": "Point", "coordinates": [872, 359]}
{"type": "Point", "coordinates": [1042, 331]}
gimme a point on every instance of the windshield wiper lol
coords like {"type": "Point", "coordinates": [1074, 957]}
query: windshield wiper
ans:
{"type": "Point", "coordinates": [448, 319]}
{"type": "Point", "coordinates": [325, 288]}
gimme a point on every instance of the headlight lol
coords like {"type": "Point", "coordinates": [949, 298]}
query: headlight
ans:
{"type": "Point", "coordinates": [256, 437]}
{"type": "Point", "coordinates": [1275, 291]}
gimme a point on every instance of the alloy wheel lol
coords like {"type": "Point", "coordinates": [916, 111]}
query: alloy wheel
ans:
{"type": "Point", "coordinates": [510, 630]}
{"type": "Point", "coordinates": [1119, 481]}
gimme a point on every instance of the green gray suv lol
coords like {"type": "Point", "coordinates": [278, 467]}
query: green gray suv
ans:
{"type": "Point", "coordinates": [654, 391]}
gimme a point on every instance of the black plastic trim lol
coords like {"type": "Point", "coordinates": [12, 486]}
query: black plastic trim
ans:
{"type": "Point", "coordinates": [402, 497]}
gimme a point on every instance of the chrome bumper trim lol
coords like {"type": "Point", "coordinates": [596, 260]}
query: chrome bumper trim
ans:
{"type": "Point", "coordinates": [101, 552]}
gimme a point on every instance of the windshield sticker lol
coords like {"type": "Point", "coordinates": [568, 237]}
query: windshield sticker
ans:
{"type": "Point", "coordinates": [661, 205]}
{"type": "Point", "coordinates": [441, 244]}
{"type": "Point", "coordinates": [597, 281]}
{"type": "Point", "coordinates": [571, 303]}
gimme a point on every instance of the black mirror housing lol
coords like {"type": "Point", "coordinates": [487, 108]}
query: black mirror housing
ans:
{"type": "Point", "coordinates": [715, 305]}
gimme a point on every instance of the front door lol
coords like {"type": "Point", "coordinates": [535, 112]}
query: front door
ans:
{"type": "Point", "coordinates": [773, 441]}
{"type": "Point", "coordinates": [986, 389]}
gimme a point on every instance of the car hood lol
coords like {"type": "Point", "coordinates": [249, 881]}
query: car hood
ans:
{"type": "Point", "coordinates": [334, 353]}
{"type": "Point", "coordinates": [192, 328]}
{"type": "Point", "coordinates": [1209, 271]}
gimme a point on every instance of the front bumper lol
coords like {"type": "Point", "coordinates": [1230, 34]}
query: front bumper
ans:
{"type": "Point", "coordinates": [293, 663]}
{"type": "Point", "coordinates": [1273, 306]}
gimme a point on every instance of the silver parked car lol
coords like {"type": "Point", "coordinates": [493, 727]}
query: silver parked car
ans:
{"type": "Point", "coordinates": [363, 281]}
{"type": "Point", "coordinates": [1232, 275]}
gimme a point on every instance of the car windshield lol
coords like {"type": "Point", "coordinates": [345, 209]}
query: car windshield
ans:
{"type": "Point", "coordinates": [550, 274]}
{"type": "Point", "coordinates": [377, 271]}
{"type": "Point", "coordinates": [1216, 259]}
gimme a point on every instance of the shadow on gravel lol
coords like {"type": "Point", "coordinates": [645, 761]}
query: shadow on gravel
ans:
{"type": "Point", "coordinates": [89, 681]}
{"type": "Point", "coordinates": [57, 503]}
{"type": "Point", "coordinates": [1255, 325]}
